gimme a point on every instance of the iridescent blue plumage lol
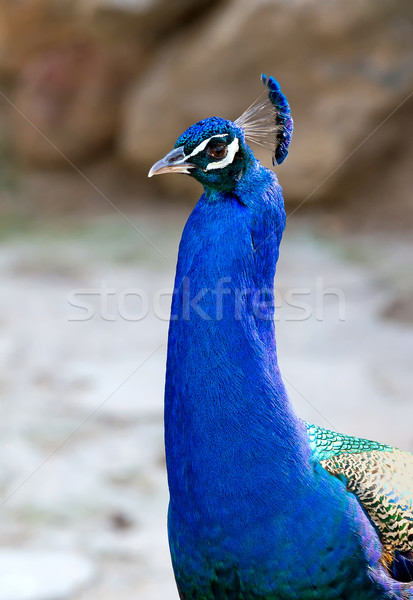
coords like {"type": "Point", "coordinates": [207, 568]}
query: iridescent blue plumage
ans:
{"type": "Point", "coordinates": [253, 514]}
{"type": "Point", "coordinates": [268, 121]}
{"type": "Point", "coordinates": [284, 119]}
{"type": "Point", "coordinates": [206, 128]}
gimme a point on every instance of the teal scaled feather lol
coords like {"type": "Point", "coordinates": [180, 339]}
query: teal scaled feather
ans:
{"type": "Point", "coordinates": [262, 505]}
{"type": "Point", "coordinates": [381, 476]}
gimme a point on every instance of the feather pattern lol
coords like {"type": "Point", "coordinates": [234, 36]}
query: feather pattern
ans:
{"type": "Point", "coordinates": [268, 122]}
{"type": "Point", "coordinates": [381, 476]}
{"type": "Point", "coordinates": [262, 506]}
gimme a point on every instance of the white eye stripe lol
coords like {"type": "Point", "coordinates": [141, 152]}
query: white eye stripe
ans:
{"type": "Point", "coordinates": [203, 145]}
{"type": "Point", "coordinates": [232, 150]}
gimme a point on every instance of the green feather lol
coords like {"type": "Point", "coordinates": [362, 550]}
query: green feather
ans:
{"type": "Point", "coordinates": [381, 477]}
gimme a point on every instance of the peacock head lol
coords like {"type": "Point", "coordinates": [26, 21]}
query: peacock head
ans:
{"type": "Point", "coordinates": [215, 151]}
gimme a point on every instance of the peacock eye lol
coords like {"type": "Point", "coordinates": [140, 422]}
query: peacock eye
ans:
{"type": "Point", "coordinates": [217, 150]}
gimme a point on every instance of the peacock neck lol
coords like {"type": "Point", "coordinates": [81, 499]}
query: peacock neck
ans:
{"type": "Point", "coordinates": [229, 425]}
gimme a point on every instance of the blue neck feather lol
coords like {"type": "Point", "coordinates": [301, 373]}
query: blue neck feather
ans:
{"type": "Point", "coordinates": [222, 332]}
{"type": "Point", "coordinates": [239, 464]}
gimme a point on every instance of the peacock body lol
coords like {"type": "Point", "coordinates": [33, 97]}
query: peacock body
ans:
{"type": "Point", "coordinates": [381, 477]}
{"type": "Point", "coordinates": [262, 505]}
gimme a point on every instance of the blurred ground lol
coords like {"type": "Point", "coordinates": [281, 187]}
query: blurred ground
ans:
{"type": "Point", "coordinates": [82, 464]}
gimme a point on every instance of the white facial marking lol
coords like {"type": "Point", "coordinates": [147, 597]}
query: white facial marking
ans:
{"type": "Point", "coordinates": [203, 145]}
{"type": "Point", "coordinates": [232, 150]}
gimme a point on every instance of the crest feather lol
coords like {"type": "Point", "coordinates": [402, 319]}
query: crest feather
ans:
{"type": "Point", "coordinates": [268, 122]}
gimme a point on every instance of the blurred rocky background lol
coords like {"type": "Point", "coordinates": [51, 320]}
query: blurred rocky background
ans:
{"type": "Point", "coordinates": [92, 92]}
{"type": "Point", "coordinates": [86, 81]}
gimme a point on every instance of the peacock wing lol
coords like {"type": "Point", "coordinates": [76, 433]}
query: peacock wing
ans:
{"type": "Point", "coordinates": [381, 476]}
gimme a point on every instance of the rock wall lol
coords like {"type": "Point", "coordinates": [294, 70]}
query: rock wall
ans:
{"type": "Point", "coordinates": [133, 74]}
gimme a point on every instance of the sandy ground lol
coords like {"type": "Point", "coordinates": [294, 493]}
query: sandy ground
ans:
{"type": "Point", "coordinates": [83, 325]}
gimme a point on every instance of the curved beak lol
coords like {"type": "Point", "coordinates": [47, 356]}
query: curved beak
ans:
{"type": "Point", "coordinates": [173, 162]}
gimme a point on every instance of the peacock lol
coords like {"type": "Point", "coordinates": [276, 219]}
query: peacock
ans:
{"type": "Point", "coordinates": [263, 506]}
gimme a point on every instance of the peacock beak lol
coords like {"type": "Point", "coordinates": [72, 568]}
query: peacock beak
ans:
{"type": "Point", "coordinates": [173, 162]}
